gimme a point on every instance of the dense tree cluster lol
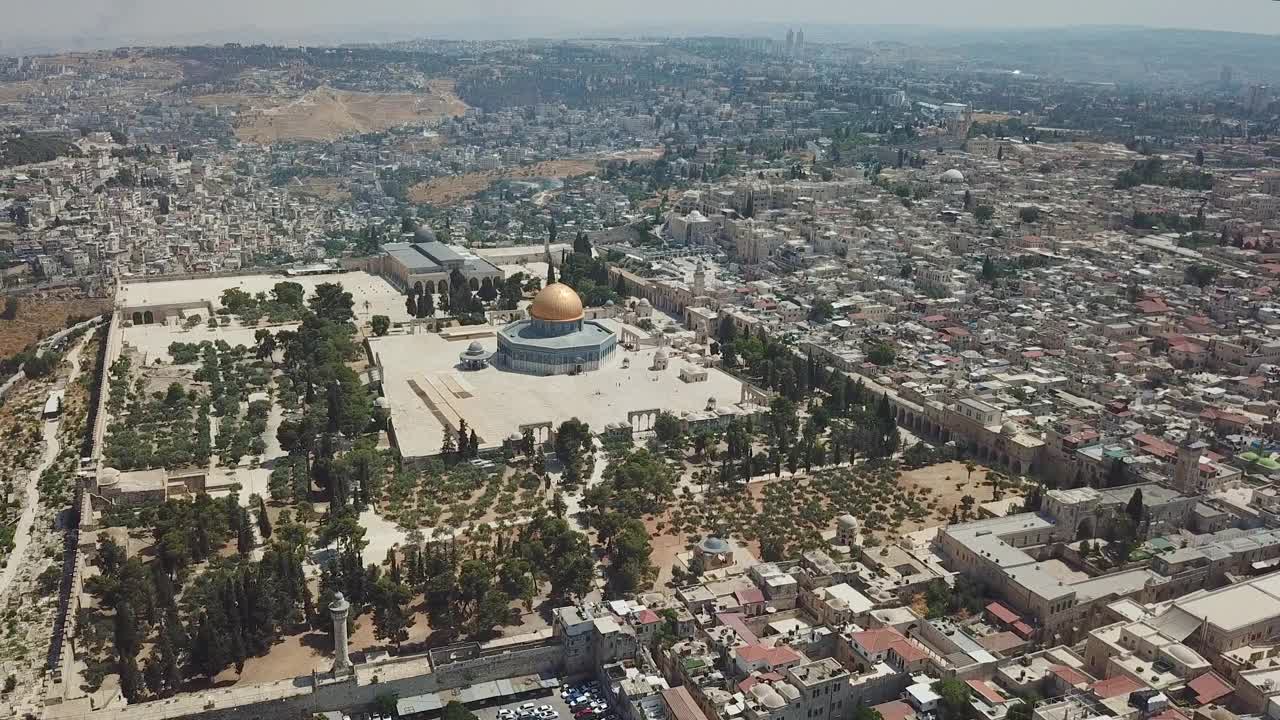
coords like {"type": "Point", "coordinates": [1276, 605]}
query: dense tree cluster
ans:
{"type": "Point", "coordinates": [197, 624]}
{"type": "Point", "coordinates": [21, 148]}
{"type": "Point", "coordinates": [588, 275]}
{"type": "Point", "coordinates": [1152, 171]}
{"type": "Point", "coordinates": [283, 304]}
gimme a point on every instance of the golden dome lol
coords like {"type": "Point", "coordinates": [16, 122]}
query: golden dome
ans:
{"type": "Point", "coordinates": [556, 302]}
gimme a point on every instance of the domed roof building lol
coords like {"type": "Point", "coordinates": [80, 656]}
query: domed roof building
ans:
{"type": "Point", "coordinates": [475, 357]}
{"type": "Point", "coordinates": [556, 339]}
{"type": "Point", "coordinates": [556, 302]}
{"type": "Point", "coordinates": [952, 176]}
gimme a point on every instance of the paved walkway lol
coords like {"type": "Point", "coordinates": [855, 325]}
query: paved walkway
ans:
{"type": "Point", "coordinates": [31, 502]}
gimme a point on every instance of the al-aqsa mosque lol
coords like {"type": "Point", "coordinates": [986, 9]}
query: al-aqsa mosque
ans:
{"type": "Point", "coordinates": [556, 339]}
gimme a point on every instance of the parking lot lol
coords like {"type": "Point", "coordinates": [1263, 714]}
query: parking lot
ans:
{"type": "Point", "coordinates": [553, 699]}
{"type": "Point", "coordinates": [574, 701]}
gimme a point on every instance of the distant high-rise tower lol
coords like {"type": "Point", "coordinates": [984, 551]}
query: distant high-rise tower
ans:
{"type": "Point", "coordinates": [791, 39]}
{"type": "Point", "coordinates": [799, 39]}
{"type": "Point", "coordinates": [1258, 98]}
{"type": "Point", "coordinates": [1226, 76]}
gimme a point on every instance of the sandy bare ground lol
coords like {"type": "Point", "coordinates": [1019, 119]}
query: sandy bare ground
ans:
{"type": "Point", "coordinates": [948, 483]}
{"type": "Point", "coordinates": [323, 188]}
{"type": "Point", "coordinates": [449, 190]}
{"type": "Point", "coordinates": [326, 114]}
{"type": "Point", "coordinates": [40, 317]}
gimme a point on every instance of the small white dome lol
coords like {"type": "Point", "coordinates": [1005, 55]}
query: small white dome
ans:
{"type": "Point", "coordinates": [952, 176]}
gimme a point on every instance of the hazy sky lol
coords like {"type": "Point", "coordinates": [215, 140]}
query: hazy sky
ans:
{"type": "Point", "coordinates": [91, 21]}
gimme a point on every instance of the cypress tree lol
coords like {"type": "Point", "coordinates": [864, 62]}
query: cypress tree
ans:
{"type": "Point", "coordinates": [244, 533]}
{"type": "Point", "coordinates": [131, 682]}
{"type": "Point", "coordinates": [127, 638]}
{"type": "Point", "coordinates": [264, 521]}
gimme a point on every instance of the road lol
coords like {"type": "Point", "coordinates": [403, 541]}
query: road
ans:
{"type": "Point", "coordinates": [31, 502]}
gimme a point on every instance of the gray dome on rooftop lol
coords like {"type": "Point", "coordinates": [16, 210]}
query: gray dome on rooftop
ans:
{"type": "Point", "coordinates": [424, 234]}
{"type": "Point", "coordinates": [475, 348]}
{"type": "Point", "coordinates": [712, 545]}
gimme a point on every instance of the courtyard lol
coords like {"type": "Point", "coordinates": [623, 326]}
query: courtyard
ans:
{"type": "Point", "coordinates": [426, 390]}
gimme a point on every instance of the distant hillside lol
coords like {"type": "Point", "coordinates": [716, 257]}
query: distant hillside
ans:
{"type": "Point", "coordinates": [1117, 54]}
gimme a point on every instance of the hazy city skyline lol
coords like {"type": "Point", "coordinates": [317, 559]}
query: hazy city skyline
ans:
{"type": "Point", "coordinates": [90, 23]}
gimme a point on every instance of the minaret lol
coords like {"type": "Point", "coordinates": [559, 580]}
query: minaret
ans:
{"type": "Point", "coordinates": [546, 248]}
{"type": "Point", "coordinates": [699, 280]}
{"type": "Point", "coordinates": [1186, 473]}
{"type": "Point", "coordinates": [338, 610]}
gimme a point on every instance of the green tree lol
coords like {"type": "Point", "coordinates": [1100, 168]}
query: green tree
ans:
{"type": "Point", "coordinates": [264, 520]}
{"type": "Point", "coordinates": [629, 568]}
{"type": "Point", "coordinates": [392, 616]}
{"type": "Point", "coordinates": [866, 712]}
{"type": "Point", "coordinates": [984, 213]}
{"type": "Point", "coordinates": [954, 699]}
{"type": "Point", "coordinates": [821, 311]}
{"type": "Point", "coordinates": [1020, 711]}
{"type": "Point", "coordinates": [882, 354]}
{"type": "Point", "coordinates": [668, 430]}
{"type": "Point", "coordinates": [381, 324]}
{"type": "Point", "coordinates": [1134, 508]}
{"type": "Point", "coordinates": [455, 710]}
{"type": "Point", "coordinates": [1200, 274]}
{"type": "Point", "coordinates": [333, 304]}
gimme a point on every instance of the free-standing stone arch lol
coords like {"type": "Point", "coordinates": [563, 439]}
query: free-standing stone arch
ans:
{"type": "Point", "coordinates": [473, 283]}
{"type": "Point", "coordinates": [137, 318]}
{"type": "Point", "coordinates": [643, 420]}
{"type": "Point", "coordinates": [442, 287]}
{"type": "Point", "coordinates": [542, 431]}
{"type": "Point", "coordinates": [148, 317]}
{"type": "Point", "coordinates": [417, 287]}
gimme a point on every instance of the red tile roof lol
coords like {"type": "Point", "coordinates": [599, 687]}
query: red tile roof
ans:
{"type": "Point", "coordinates": [987, 692]}
{"type": "Point", "coordinates": [682, 704]}
{"type": "Point", "coordinates": [1003, 613]}
{"type": "Point", "coordinates": [749, 596]}
{"type": "Point", "coordinates": [758, 677]}
{"type": "Point", "coordinates": [885, 639]}
{"type": "Point", "coordinates": [1023, 629]}
{"type": "Point", "coordinates": [1155, 446]}
{"type": "Point", "coordinates": [894, 710]}
{"type": "Point", "coordinates": [1069, 675]}
{"type": "Point", "coordinates": [1209, 687]}
{"type": "Point", "coordinates": [647, 617]}
{"type": "Point", "coordinates": [771, 656]}
{"type": "Point", "coordinates": [1170, 714]}
{"type": "Point", "coordinates": [1117, 686]}
{"type": "Point", "coordinates": [734, 620]}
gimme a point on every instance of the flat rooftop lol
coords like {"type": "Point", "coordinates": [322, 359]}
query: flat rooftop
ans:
{"type": "Point", "coordinates": [1238, 606]}
{"type": "Point", "coordinates": [425, 389]}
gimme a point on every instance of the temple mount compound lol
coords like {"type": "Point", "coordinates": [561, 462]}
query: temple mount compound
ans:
{"type": "Point", "coordinates": [555, 339]}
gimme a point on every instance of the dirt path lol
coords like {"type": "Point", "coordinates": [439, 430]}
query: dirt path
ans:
{"type": "Point", "coordinates": [31, 502]}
